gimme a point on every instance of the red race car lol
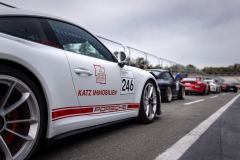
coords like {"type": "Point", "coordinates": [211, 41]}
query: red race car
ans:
{"type": "Point", "coordinates": [196, 85]}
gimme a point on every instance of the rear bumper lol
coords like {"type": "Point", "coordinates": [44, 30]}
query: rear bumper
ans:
{"type": "Point", "coordinates": [213, 89]}
{"type": "Point", "coordinates": [229, 90]}
{"type": "Point", "coordinates": [194, 89]}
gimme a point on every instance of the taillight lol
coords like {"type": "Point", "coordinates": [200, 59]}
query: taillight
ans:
{"type": "Point", "coordinates": [224, 86]}
{"type": "Point", "coordinates": [236, 86]}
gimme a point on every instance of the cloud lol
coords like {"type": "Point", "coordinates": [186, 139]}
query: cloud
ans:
{"type": "Point", "coordinates": [203, 33]}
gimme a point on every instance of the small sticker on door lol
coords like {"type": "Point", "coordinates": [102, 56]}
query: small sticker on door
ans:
{"type": "Point", "coordinates": [100, 74]}
{"type": "Point", "coordinates": [177, 86]}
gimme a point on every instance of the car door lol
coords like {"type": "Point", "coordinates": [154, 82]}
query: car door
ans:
{"type": "Point", "coordinates": [96, 74]}
{"type": "Point", "coordinates": [175, 84]}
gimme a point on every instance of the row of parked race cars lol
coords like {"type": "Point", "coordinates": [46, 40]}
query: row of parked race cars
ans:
{"type": "Point", "coordinates": [177, 88]}
{"type": "Point", "coordinates": [57, 79]}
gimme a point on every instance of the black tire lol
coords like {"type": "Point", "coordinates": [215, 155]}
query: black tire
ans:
{"type": "Point", "coordinates": [40, 136]}
{"type": "Point", "coordinates": [181, 94]}
{"type": "Point", "coordinates": [204, 92]}
{"type": "Point", "coordinates": [142, 117]}
{"type": "Point", "coordinates": [168, 95]}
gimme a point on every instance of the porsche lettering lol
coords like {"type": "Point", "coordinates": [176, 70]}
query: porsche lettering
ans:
{"type": "Point", "coordinates": [110, 108]}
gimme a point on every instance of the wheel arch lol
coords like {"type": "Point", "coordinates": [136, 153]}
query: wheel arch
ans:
{"type": "Point", "coordinates": [33, 77]}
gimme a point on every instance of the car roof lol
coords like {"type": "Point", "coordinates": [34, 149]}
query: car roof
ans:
{"type": "Point", "coordinates": [160, 70]}
{"type": "Point", "coordinates": [9, 11]}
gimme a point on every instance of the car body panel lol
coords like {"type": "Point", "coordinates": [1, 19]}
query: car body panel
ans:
{"type": "Point", "coordinates": [195, 86]}
{"type": "Point", "coordinates": [214, 87]}
{"type": "Point", "coordinates": [163, 84]}
{"type": "Point", "coordinates": [228, 87]}
{"type": "Point", "coordinates": [53, 67]}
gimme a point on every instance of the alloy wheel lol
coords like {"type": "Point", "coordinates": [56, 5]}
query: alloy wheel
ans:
{"type": "Point", "coordinates": [19, 118]}
{"type": "Point", "coordinates": [169, 94]}
{"type": "Point", "coordinates": [150, 101]}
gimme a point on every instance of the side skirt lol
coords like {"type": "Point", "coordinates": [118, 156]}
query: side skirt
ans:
{"type": "Point", "coordinates": [50, 141]}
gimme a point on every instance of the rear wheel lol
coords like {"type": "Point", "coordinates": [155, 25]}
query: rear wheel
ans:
{"type": "Point", "coordinates": [148, 105]}
{"type": "Point", "coordinates": [168, 95]}
{"type": "Point", "coordinates": [182, 93]}
{"type": "Point", "coordinates": [204, 91]}
{"type": "Point", "coordinates": [21, 115]}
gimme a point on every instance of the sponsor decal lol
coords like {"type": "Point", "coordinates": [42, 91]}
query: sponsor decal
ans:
{"type": "Point", "coordinates": [100, 74]}
{"type": "Point", "coordinates": [126, 74]}
{"type": "Point", "coordinates": [96, 92]}
{"type": "Point", "coordinates": [67, 112]}
{"type": "Point", "coordinates": [177, 86]}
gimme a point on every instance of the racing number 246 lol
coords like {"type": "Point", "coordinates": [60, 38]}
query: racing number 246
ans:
{"type": "Point", "coordinates": [127, 85]}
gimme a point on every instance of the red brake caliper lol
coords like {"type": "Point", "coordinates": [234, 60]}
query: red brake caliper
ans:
{"type": "Point", "coordinates": [8, 137]}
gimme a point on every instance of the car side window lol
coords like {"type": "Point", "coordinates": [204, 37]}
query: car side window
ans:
{"type": "Point", "coordinates": [24, 27]}
{"type": "Point", "coordinates": [169, 77]}
{"type": "Point", "coordinates": [77, 40]}
{"type": "Point", "coordinates": [163, 76]}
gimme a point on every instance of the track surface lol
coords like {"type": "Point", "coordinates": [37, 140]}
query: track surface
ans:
{"type": "Point", "coordinates": [130, 140]}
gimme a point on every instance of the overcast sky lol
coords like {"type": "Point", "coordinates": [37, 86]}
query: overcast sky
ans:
{"type": "Point", "coordinates": [200, 32]}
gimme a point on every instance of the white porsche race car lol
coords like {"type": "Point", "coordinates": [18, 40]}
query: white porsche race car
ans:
{"type": "Point", "coordinates": [214, 87]}
{"type": "Point", "coordinates": [57, 79]}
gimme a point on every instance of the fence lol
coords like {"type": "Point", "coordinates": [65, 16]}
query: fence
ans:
{"type": "Point", "coordinates": [151, 61]}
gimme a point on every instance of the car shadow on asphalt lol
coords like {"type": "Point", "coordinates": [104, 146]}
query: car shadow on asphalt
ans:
{"type": "Point", "coordinates": [92, 135]}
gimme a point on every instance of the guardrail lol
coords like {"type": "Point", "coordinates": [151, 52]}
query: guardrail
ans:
{"type": "Point", "coordinates": [152, 61]}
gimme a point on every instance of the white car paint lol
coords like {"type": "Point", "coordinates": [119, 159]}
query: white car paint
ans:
{"type": "Point", "coordinates": [54, 68]}
{"type": "Point", "coordinates": [214, 87]}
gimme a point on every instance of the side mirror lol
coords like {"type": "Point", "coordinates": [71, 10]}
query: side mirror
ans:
{"type": "Point", "coordinates": [121, 58]}
{"type": "Point", "coordinates": [127, 59]}
{"type": "Point", "coordinates": [120, 55]}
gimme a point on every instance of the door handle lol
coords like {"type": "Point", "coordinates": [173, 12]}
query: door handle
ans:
{"type": "Point", "coordinates": [82, 71]}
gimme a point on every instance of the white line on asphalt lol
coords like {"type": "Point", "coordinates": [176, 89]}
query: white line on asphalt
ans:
{"type": "Point", "coordinates": [224, 94]}
{"type": "Point", "coordinates": [213, 96]}
{"type": "Point", "coordinates": [182, 145]}
{"type": "Point", "coordinates": [194, 102]}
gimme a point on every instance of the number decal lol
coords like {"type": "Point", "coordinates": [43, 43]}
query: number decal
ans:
{"type": "Point", "coordinates": [123, 87]}
{"type": "Point", "coordinates": [127, 86]}
{"type": "Point", "coordinates": [131, 86]}
{"type": "Point", "coordinates": [177, 86]}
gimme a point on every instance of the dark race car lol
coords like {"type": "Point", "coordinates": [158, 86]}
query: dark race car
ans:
{"type": "Point", "coordinates": [196, 85]}
{"type": "Point", "coordinates": [228, 87]}
{"type": "Point", "coordinates": [170, 88]}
